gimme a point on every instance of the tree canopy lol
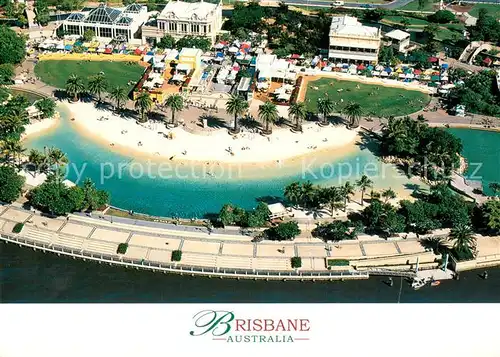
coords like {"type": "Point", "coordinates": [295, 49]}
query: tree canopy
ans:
{"type": "Point", "coordinates": [12, 46]}
{"type": "Point", "coordinates": [478, 93]}
{"type": "Point", "coordinates": [11, 184]}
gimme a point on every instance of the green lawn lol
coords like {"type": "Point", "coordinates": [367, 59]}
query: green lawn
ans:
{"type": "Point", "coordinates": [56, 72]}
{"type": "Point", "coordinates": [413, 6]}
{"type": "Point", "coordinates": [493, 10]}
{"type": "Point", "coordinates": [374, 99]}
{"type": "Point", "coordinates": [411, 21]}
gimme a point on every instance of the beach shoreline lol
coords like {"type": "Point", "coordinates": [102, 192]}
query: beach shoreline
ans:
{"type": "Point", "coordinates": [41, 127]}
{"type": "Point", "coordinates": [260, 162]}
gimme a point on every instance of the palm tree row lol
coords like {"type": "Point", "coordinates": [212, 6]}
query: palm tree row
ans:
{"type": "Point", "coordinates": [98, 86]}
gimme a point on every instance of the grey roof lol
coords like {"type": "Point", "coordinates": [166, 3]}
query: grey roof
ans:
{"type": "Point", "coordinates": [75, 17]}
{"type": "Point", "coordinates": [133, 8]}
{"type": "Point", "coordinates": [103, 15]}
{"type": "Point", "coordinates": [124, 20]}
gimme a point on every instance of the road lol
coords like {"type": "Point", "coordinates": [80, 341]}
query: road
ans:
{"type": "Point", "coordinates": [392, 5]}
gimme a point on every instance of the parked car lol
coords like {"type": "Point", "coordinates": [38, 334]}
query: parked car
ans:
{"type": "Point", "coordinates": [338, 3]}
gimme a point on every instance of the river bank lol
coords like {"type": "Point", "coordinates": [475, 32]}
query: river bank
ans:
{"type": "Point", "coordinates": [33, 277]}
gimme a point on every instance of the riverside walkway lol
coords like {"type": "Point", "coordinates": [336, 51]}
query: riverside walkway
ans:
{"type": "Point", "coordinates": [230, 255]}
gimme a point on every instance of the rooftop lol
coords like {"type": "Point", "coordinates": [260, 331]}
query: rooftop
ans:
{"type": "Point", "coordinates": [350, 26]}
{"type": "Point", "coordinates": [107, 15]}
{"type": "Point", "coordinates": [397, 35]}
{"type": "Point", "coordinates": [188, 10]}
{"type": "Point", "coordinates": [190, 52]}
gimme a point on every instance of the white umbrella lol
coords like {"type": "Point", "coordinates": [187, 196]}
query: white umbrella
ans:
{"type": "Point", "coordinates": [219, 46]}
{"type": "Point", "coordinates": [233, 49]}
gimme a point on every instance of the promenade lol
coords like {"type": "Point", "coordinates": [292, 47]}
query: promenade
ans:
{"type": "Point", "coordinates": [217, 254]}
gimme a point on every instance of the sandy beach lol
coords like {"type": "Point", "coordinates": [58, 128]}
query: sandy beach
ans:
{"type": "Point", "coordinates": [40, 126]}
{"type": "Point", "coordinates": [176, 144]}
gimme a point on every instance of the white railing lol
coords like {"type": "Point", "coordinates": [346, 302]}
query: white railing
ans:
{"type": "Point", "coordinates": [179, 269]}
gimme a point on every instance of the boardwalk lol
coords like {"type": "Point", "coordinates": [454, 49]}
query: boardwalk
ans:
{"type": "Point", "coordinates": [153, 246]}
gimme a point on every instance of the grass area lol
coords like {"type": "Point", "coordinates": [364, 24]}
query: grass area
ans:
{"type": "Point", "coordinates": [56, 72]}
{"type": "Point", "coordinates": [493, 10]}
{"type": "Point", "coordinates": [338, 262]}
{"type": "Point", "coordinates": [413, 6]}
{"type": "Point", "coordinates": [375, 99]}
{"type": "Point", "coordinates": [411, 21]}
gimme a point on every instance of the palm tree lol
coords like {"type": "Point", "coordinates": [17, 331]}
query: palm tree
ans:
{"type": "Point", "coordinates": [347, 190]}
{"type": "Point", "coordinates": [237, 106]}
{"type": "Point", "coordinates": [176, 103]}
{"type": "Point", "coordinates": [37, 159]}
{"type": "Point", "coordinates": [495, 187]}
{"type": "Point", "coordinates": [353, 112]}
{"type": "Point", "coordinates": [12, 149]}
{"type": "Point", "coordinates": [119, 95]}
{"type": "Point", "coordinates": [388, 194]}
{"type": "Point", "coordinates": [268, 113]}
{"type": "Point", "coordinates": [292, 193]}
{"type": "Point", "coordinates": [143, 104]}
{"type": "Point", "coordinates": [333, 196]}
{"type": "Point", "coordinates": [325, 108]}
{"type": "Point", "coordinates": [307, 192]}
{"type": "Point", "coordinates": [297, 111]}
{"type": "Point", "coordinates": [98, 85]}
{"type": "Point", "coordinates": [363, 183]}
{"type": "Point", "coordinates": [74, 86]}
{"type": "Point", "coordinates": [464, 242]}
{"type": "Point", "coordinates": [56, 157]}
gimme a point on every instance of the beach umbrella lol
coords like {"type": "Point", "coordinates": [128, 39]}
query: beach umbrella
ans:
{"type": "Point", "coordinates": [361, 67]}
{"type": "Point", "coordinates": [388, 69]}
{"type": "Point", "coordinates": [233, 49]}
{"type": "Point", "coordinates": [432, 59]}
{"type": "Point", "coordinates": [370, 67]}
{"type": "Point", "coordinates": [68, 47]}
{"type": "Point", "coordinates": [219, 46]}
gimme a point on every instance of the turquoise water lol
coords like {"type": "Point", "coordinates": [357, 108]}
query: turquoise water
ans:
{"type": "Point", "coordinates": [190, 196]}
{"type": "Point", "coordinates": [482, 151]}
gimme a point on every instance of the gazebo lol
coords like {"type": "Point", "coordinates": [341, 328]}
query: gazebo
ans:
{"type": "Point", "coordinates": [277, 210]}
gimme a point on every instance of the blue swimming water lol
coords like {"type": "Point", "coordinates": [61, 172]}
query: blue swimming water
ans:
{"type": "Point", "coordinates": [482, 151]}
{"type": "Point", "coordinates": [184, 197]}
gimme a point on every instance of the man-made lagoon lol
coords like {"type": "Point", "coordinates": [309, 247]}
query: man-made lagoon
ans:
{"type": "Point", "coordinates": [137, 185]}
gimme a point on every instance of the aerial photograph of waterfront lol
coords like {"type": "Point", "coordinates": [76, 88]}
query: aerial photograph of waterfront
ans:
{"type": "Point", "coordinates": [226, 151]}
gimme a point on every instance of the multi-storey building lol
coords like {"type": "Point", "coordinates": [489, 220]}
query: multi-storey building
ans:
{"type": "Point", "coordinates": [179, 19]}
{"type": "Point", "coordinates": [351, 41]}
{"type": "Point", "coordinates": [108, 23]}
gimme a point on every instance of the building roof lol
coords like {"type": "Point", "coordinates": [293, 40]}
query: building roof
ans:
{"type": "Point", "coordinates": [103, 15]}
{"type": "Point", "coordinates": [133, 8]}
{"type": "Point", "coordinates": [188, 10]}
{"type": "Point", "coordinates": [397, 35]}
{"type": "Point", "coordinates": [76, 17]}
{"type": "Point", "coordinates": [190, 52]}
{"type": "Point", "coordinates": [350, 26]}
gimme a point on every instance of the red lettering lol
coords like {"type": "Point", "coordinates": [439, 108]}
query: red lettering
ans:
{"type": "Point", "coordinates": [304, 325]}
{"type": "Point", "coordinates": [257, 325]}
{"type": "Point", "coordinates": [240, 325]}
{"type": "Point", "coordinates": [268, 325]}
{"type": "Point", "coordinates": [292, 325]}
{"type": "Point", "coordinates": [280, 326]}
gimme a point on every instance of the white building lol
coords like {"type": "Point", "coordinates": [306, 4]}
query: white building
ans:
{"type": "Point", "coordinates": [351, 41]}
{"type": "Point", "coordinates": [108, 23]}
{"type": "Point", "coordinates": [399, 40]}
{"type": "Point", "coordinates": [270, 67]}
{"type": "Point", "coordinates": [179, 19]}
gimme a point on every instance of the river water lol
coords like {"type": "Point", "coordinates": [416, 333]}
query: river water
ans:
{"type": "Point", "coordinates": [34, 277]}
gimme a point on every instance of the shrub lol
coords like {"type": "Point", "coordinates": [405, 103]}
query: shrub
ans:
{"type": "Point", "coordinates": [18, 228]}
{"type": "Point", "coordinates": [296, 262]}
{"type": "Point", "coordinates": [176, 256]}
{"type": "Point", "coordinates": [283, 231]}
{"type": "Point", "coordinates": [122, 248]}
{"type": "Point", "coordinates": [338, 262]}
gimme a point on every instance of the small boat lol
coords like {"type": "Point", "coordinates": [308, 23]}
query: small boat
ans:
{"type": "Point", "coordinates": [418, 283]}
{"type": "Point", "coordinates": [435, 283]}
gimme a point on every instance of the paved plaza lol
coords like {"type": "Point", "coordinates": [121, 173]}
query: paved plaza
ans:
{"type": "Point", "coordinates": [200, 249]}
